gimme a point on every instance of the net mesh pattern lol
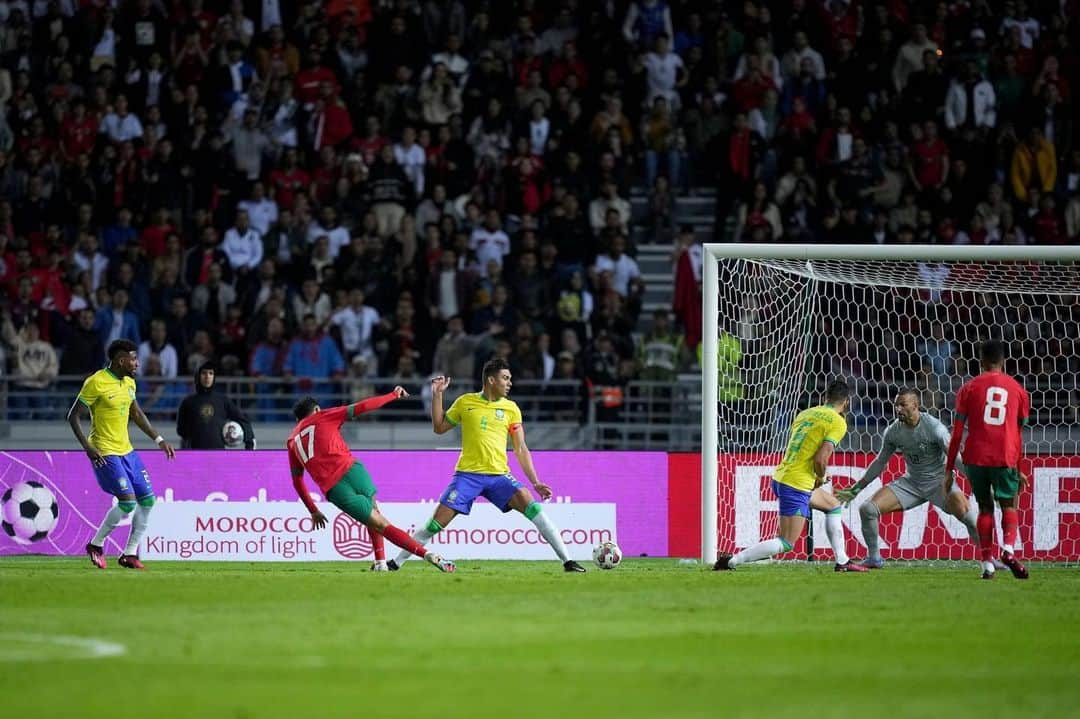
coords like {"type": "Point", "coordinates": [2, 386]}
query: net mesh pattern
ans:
{"type": "Point", "coordinates": [787, 327]}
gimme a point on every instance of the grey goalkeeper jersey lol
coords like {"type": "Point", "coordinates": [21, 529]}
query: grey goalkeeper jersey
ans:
{"type": "Point", "coordinates": [923, 448]}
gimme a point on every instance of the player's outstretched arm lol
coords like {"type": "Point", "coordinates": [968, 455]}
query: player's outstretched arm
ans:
{"type": "Point", "coordinates": [439, 423]}
{"type": "Point", "coordinates": [143, 423]}
{"type": "Point", "coordinates": [373, 403]}
{"type": "Point", "coordinates": [888, 449]}
{"type": "Point", "coordinates": [524, 458]}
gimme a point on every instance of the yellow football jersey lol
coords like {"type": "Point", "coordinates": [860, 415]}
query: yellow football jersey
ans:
{"type": "Point", "coordinates": [109, 398]}
{"type": "Point", "coordinates": [811, 427]}
{"type": "Point", "coordinates": [485, 427]}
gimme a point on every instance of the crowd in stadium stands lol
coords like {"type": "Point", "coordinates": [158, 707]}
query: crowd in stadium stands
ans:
{"type": "Point", "coordinates": [331, 189]}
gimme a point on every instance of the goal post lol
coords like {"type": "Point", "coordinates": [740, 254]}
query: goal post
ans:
{"type": "Point", "coordinates": [780, 320]}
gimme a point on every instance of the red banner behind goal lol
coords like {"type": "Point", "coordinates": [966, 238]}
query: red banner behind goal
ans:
{"type": "Point", "coordinates": [1049, 510]}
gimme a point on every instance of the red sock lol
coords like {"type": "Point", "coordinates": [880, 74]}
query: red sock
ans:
{"type": "Point", "coordinates": [1009, 520]}
{"type": "Point", "coordinates": [404, 541]}
{"type": "Point", "coordinates": [378, 544]}
{"type": "Point", "coordinates": [985, 524]}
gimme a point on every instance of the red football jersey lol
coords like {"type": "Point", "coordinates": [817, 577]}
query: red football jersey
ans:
{"type": "Point", "coordinates": [316, 445]}
{"type": "Point", "coordinates": [995, 406]}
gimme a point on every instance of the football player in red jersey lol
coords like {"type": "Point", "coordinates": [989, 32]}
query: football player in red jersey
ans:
{"type": "Point", "coordinates": [995, 407]}
{"type": "Point", "coordinates": [316, 445]}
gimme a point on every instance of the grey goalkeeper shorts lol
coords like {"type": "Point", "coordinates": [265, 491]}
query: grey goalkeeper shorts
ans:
{"type": "Point", "coordinates": [911, 494]}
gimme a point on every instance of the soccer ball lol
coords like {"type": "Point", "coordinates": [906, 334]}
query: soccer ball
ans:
{"type": "Point", "coordinates": [29, 512]}
{"type": "Point", "coordinates": [232, 434]}
{"type": "Point", "coordinates": [607, 555]}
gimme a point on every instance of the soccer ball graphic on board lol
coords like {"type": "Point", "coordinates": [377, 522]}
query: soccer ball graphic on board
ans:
{"type": "Point", "coordinates": [28, 512]}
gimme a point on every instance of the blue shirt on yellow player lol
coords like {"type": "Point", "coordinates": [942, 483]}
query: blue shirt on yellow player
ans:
{"type": "Point", "coordinates": [485, 426]}
{"type": "Point", "coordinates": [109, 399]}
{"type": "Point", "coordinates": [811, 427]}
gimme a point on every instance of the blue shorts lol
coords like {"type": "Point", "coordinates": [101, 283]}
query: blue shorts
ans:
{"type": "Point", "coordinates": [124, 474]}
{"type": "Point", "coordinates": [465, 487]}
{"type": "Point", "coordinates": [793, 502]}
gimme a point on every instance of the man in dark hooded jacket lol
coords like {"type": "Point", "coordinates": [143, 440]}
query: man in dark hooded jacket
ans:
{"type": "Point", "coordinates": [83, 349]}
{"type": "Point", "coordinates": [204, 413]}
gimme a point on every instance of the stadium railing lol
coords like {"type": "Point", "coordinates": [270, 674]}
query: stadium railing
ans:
{"type": "Point", "coordinates": [667, 415]}
{"type": "Point", "coordinates": [270, 399]}
{"type": "Point", "coordinates": [641, 415]}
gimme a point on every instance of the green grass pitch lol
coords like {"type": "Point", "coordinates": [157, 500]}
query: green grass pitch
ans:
{"type": "Point", "coordinates": [519, 640]}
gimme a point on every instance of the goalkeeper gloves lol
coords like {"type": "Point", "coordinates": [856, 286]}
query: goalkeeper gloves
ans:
{"type": "Point", "coordinates": [846, 495]}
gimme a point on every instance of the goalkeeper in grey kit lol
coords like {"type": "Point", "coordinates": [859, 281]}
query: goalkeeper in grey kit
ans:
{"type": "Point", "coordinates": [923, 441]}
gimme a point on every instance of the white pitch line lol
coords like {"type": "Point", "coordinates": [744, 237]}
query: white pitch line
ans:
{"type": "Point", "coordinates": [41, 647]}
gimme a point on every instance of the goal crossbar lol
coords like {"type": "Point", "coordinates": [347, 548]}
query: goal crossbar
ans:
{"type": "Point", "coordinates": [715, 252]}
{"type": "Point", "coordinates": [882, 253]}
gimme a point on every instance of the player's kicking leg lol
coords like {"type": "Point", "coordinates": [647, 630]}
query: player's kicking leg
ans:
{"type": "Point", "coordinates": [503, 492]}
{"type": "Point", "coordinates": [438, 522]}
{"type": "Point", "coordinates": [355, 495]}
{"type": "Point", "coordinates": [834, 527]}
{"type": "Point", "coordinates": [377, 523]}
{"type": "Point", "coordinates": [457, 498]}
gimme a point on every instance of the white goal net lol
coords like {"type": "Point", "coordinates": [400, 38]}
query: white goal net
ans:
{"type": "Point", "coordinates": [781, 321]}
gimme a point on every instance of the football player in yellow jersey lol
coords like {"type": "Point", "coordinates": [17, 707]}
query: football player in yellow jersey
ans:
{"type": "Point", "coordinates": [486, 419]}
{"type": "Point", "coordinates": [108, 396]}
{"type": "Point", "coordinates": [815, 433]}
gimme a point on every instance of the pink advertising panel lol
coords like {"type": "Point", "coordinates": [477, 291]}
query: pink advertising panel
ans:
{"type": "Point", "coordinates": [241, 506]}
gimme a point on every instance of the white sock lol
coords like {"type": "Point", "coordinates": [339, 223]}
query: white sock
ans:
{"type": "Point", "coordinates": [139, 522]}
{"type": "Point", "coordinates": [112, 518]}
{"type": "Point", "coordinates": [834, 527]}
{"type": "Point", "coordinates": [1007, 548]}
{"type": "Point", "coordinates": [421, 535]}
{"type": "Point", "coordinates": [551, 534]}
{"type": "Point", "coordinates": [761, 550]}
